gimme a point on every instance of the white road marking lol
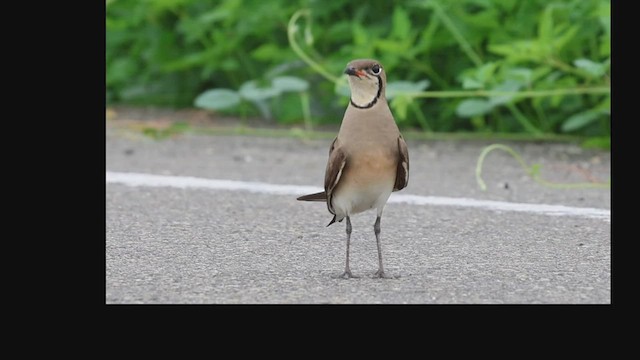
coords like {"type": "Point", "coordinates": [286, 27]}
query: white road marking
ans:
{"type": "Point", "coordinates": [185, 182]}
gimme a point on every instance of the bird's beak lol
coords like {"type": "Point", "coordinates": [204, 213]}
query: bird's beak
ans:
{"type": "Point", "coordinates": [354, 72]}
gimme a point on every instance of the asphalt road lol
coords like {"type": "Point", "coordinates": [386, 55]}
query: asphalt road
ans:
{"type": "Point", "coordinates": [196, 245]}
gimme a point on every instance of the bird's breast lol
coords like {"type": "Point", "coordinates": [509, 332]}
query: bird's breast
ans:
{"type": "Point", "coordinates": [366, 183]}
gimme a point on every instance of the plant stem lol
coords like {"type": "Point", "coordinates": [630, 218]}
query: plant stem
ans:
{"type": "Point", "coordinates": [528, 126]}
{"type": "Point", "coordinates": [529, 170]}
{"type": "Point", "coordinates": [464, 44]}
{"type": "Point", "coordinates": [292, 28]}
{"type": "Point", "coordinates": [524, 93]}
{"type": "Point", "coordinates": [569, 69]}
{"type": "Point", "coordinates": [433, 75]}
{"type": "Point", "coordinates": [420, 116]}
{"type": "Point", "coordinates": [544, 122]}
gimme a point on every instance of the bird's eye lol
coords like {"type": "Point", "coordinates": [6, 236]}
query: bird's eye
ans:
{"type": "Point", "coordinates": [375, 69]}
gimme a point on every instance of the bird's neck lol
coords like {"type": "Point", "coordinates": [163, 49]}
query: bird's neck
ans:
{"type": "Point", "coordinates": [363, 101]}
{"type": "Point", "coordinates": [364, 96]}
{"type": "Point", "coordinates": [378, 116]}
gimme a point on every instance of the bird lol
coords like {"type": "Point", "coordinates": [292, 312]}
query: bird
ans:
{"type": "Point", "coordinates": [368, 159]}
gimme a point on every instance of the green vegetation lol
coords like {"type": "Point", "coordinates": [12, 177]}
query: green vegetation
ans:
{"type": "Point", "coordinates": [534, 67]}
{"type": "Point", "coordinates": [176, 128]}
{"type": "Point", "coordinates": [533, 171]}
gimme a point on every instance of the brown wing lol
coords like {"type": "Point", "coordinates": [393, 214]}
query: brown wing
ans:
{"type": "Point", "coordinates": [321, 196]}
{"type": "Point", "coordinates": [335, 165]}
{"type": "Point", "coordinates": [402, 174]}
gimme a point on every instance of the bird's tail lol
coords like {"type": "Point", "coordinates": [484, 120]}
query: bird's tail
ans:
{"type": "Point", "coordinates": [321, 196]}
{"type": "Point", "coordinates": [335, 217]}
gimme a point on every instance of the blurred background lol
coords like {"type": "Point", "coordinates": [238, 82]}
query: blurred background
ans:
{"type": "Point", "coordinates": [535, 68]}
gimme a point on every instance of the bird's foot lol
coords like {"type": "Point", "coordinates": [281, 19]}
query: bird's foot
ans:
{"type": "Point", "coordinates": [347, 275]}
{"type": "Point", "coordinates": [382, 275]}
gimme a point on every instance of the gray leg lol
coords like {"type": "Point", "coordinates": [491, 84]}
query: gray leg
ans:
{"type": "Point", "coordinates": [347, 271]}
{"type": "Point", "coordinates": [376, 229]}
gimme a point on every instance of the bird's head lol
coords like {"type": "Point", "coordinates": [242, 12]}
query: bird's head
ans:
{"type": "Point", "coordinates": [367, 81]}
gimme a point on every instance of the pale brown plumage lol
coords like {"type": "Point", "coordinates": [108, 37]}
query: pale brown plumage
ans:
{"type": "Point", "coordinates": [369, 158]}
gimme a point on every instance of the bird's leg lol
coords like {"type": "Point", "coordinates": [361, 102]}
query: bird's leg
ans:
{"type": "Point", "coordinates": [376, 229]}
{"type": "Point", "coordinates": [347, 271]}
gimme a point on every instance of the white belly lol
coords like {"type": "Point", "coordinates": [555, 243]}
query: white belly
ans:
{"type": "Point", "coordinates": [349, 200]}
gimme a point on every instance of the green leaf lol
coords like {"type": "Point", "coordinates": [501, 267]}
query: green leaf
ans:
{"type": "Point", "coordinates": [360, 35]}
{"type": "Point", "coordinates": [187, 61]}
{"type": "Point", "coordinates": [473, 107]}
{"type": "Point", "coordinates": [290, 83]}
{"type": "Point", "coordinates": [486, 19]}
{"type": "Point", "coordinates": [401, 24]}
{"type": "Point", "coordinates": [603, 13]}
{"type": "Point", "coordinates": [506, 50]}
{"type": "Point", "coordinates": [521, 75]}
{"type": "Point", "coordinates": [217, 99]}
{"type": "Point", "coordinates": [392, 46]}
{"type": "Point", "coordinates": [545, 27]}
{"type": "Point", "coordinates": [400, 104]}
{"type": "Point", "coordinates": [605, 106]}
{"type": "Point", "coordinates": [479, 77]}
{"type": "Point", "coordinates": [486, 72]}
{"type": "Point", "coordinates": [506, 5]}
{"type": "Point", "coordinates": [507, 85]}
{"type": "Point", "coordinates": [561, 40]}
{"type": "Point", "coordinates": [591, 67]}
{"type": "Point", "coordinates": [605, 46]}
{"type": "Point", "coordinates": [267, 51]}
{"type": "Point", "coordinates": [396, 88]}
{"type": "Point", "coordinates": [166, 5]}
{"type": "Point", "coordinates": [521, 50]}
{"type": "Point", "coordinates": [469, 83]}
{"type": "Point", "coordinates": [120, 70]}
{"type": "Point", "coordinates": [580, 120]}
{"type": "Point", "coordinates": [250, 91]}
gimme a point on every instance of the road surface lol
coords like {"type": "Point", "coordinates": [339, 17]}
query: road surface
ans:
{"type": "Point", "coordinates": [213, 219]}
